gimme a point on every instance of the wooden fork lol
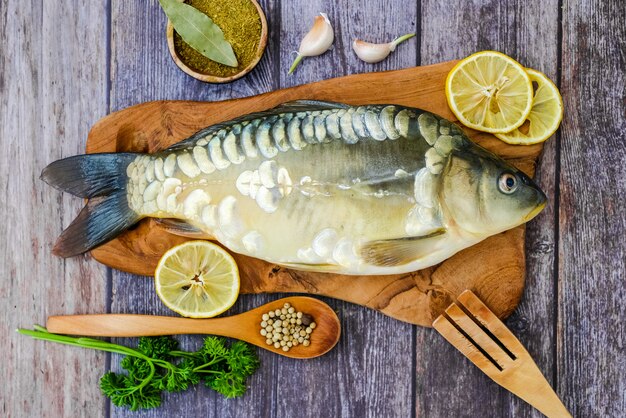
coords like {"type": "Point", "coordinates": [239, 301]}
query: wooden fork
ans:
{"type": "Point", "coordinates": [475, 331]}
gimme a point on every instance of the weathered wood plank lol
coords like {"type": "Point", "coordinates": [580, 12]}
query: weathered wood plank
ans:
{"type": "Point", "coordinates": [369, 372]}
{"type": "Point", "coordinates": [528, 31]}
{"type": "Point", "coordinates": [50, 93]}
{"type": "Point", "coordinates": [137, 77]}
{"type": "Point", "coordinates": [592, 220]}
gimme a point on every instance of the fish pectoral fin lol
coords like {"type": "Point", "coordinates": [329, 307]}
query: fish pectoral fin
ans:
{"type": "Point", "coordinates": [399, 251]}
{"type": "Point", "coordinates": [182, 228]}
{"type": "Point", "coordinates": [320, 267]}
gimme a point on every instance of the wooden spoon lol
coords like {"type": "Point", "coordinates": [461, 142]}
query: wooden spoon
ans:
{"type": "Point", "coordinates": [245, 326]}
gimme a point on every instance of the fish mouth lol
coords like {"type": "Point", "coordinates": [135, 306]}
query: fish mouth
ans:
{"type": "Point", "coordinates": [535, 211]}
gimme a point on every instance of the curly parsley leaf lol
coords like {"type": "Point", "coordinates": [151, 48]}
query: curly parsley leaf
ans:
{"type": "Point", "coordinates": [157, 347]}
{"type": "Point", "coordinates": [123, 391]}
{"type": "Point", "coordinates": [230, 385]}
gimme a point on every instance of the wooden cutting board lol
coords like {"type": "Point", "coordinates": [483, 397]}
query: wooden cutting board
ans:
{"type": "Point", "coordinates": [494, 269]}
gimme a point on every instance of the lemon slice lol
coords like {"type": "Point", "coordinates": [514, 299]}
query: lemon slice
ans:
{"type": "Point", "coordinates": [490, 92]}
{"type": "Point", "coordinates": [197, 279]}
{"type": "Point", "coordinates": [545, 115]}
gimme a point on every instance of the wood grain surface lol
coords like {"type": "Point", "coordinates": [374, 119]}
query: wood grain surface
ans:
{"type": "Point", "coordinates": [55, 84]}
{"type": "Point", "coordinates": [43, 103]}
{"type": "Point", "coordinates": [494, 269]}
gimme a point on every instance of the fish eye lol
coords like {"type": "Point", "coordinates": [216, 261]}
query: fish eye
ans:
{"type": "Point", "coordinates": [507, 183]}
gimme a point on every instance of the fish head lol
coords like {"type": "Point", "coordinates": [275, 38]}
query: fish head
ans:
{"type": "Point", "coordinates": [485, 195]}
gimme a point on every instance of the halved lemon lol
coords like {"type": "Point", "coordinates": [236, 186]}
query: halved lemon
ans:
{"type": "Point", "coordinates": [197, 279]}
{"type": "Point", "coordinates": [545, 115]}
{"type": "Point", "coordinates": [490, 92]}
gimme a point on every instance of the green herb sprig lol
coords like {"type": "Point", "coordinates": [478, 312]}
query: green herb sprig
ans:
{"type": "Point", "coordinates": [156, 365]}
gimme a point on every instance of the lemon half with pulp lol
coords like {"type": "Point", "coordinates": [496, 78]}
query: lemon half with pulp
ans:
{"type": "Point", "coordinates": [490, 92]}
{"type": "Point", "coordinates": [545, 115]}
{"type": "Point", "coordinates": [197, 279]}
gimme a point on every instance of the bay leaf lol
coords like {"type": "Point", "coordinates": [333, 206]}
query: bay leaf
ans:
{"type": "Point", "coordinates": [199, 31]}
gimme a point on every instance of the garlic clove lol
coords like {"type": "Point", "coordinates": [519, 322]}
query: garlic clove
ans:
{"type": "Point", "coordinates": [373, 53]}
{"type": "Point", "coordinates": [370, 52]}
{"type": "Point", "coordinates": [319, 38]}
{"type": "Point", "coordinates": [317, 41]}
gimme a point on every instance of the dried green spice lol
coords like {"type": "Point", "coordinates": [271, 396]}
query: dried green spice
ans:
{"type": "Point", "coordinates": [241, 24]}
{"type": "Point", "coordinates": [199, 31]}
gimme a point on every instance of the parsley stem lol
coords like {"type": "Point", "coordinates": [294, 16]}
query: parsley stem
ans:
{"type": "Point", "coordinates": [181, 354]}
{"type": "Point", "coordinates": [81, 342]}
{"type": "Point", "coordinates": [212, 362]}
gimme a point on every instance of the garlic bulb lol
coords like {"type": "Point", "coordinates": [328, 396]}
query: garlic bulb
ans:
{"type": "Point", "coordinates": [372, 53]}
{"type": "Point", "coordinates": [317, 41]}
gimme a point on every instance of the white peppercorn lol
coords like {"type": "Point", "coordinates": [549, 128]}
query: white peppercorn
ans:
{"type": "Point", "coordinates": [286, 327]}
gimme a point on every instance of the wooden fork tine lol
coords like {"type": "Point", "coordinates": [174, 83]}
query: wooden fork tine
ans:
{"type": "Point", "coordinates": [461, 343]}
{"type": "Point", "coordinates": [489, 320]}
{"type": "Point", "coordinates": [482, 339]}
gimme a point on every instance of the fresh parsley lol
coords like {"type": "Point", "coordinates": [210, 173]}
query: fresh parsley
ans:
{"type": "Point", "coordinates": [157, 365]}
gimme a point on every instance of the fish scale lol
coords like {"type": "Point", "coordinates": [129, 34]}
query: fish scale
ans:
{"type": "Point", "coordinates": [373, 189]}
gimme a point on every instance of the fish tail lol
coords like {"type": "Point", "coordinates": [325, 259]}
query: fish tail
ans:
{"type": "Point", "coordinates": [103, 180]}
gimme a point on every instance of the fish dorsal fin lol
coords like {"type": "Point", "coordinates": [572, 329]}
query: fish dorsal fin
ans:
{"type": "Point", "coordinates": [287, 107]}
{"type": "Point", "coordinates": [399, 251]}
{"type": "Point", "coordinates": [305, 105]}
{"type": "Point", "coordinates": [183, 229]}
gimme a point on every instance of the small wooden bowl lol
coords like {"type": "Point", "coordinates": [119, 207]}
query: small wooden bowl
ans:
{"type": "Point", "coordinates": [212, 78]}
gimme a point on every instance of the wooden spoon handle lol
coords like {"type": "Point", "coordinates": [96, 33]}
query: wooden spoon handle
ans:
{"type": "Point", "coordinates": [126, 325]}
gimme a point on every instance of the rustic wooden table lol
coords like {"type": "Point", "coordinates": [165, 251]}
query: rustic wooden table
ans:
{"type": "Point", "coordinates": [65, 64]}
